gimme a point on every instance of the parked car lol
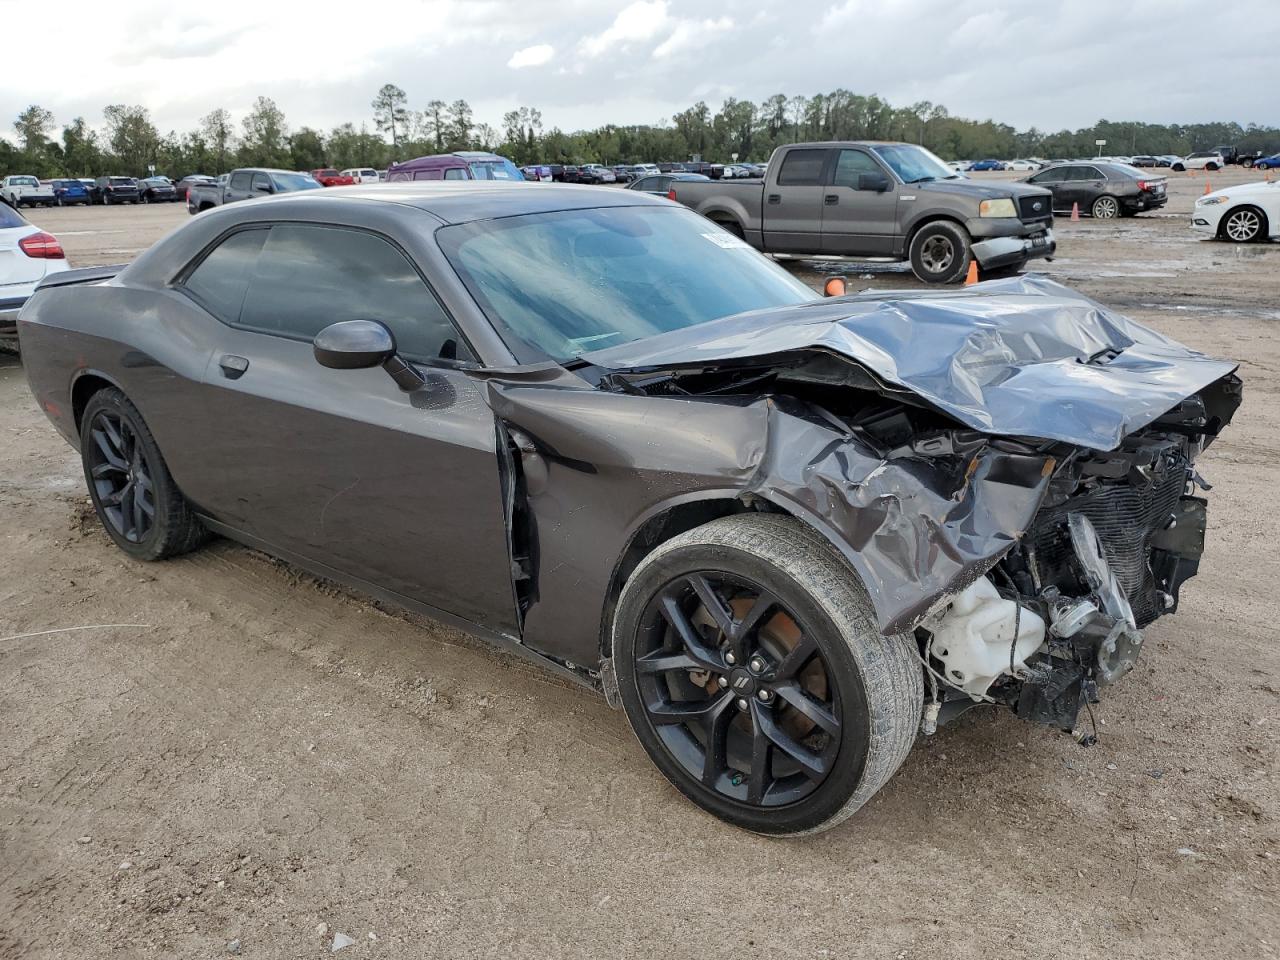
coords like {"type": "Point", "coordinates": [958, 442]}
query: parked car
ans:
{"type": "Point", "coordinates": [987, 165]}
{"type": "Point", "coordinates": [763, 607]}
{"type": "Point", "coordinates": [158, 190]}
{"type": "Point", "coordinates": [596, 174]}
{"type": "Point", "coordinates": [959, 166]}
{"type": "Point", "coordinates": [460, 165]}
{"type": "Point", "coordinates": [1166, 160]}
{"type": "Point", "coordinates": [1144, 161]}
{"type": "Point", "coordinates": [67, 193]}
{"type": "Point", "coordinates": [1268, 163]}
{"type": "Point", "coordinates": [245, 184]}
{"type": "Point", "coordinates": [659, 184]}
{"type": "Point", "coordinates": [20, 190]}
{"type": "Point", "coordinates": [1242, 214]}
{"type": "Point", "coordinates": [183, 186]}
{"type": "Point", "coordinates": [1206, 160]}
{"type": "Point", "coordinates": [569, 173]}
{"type": "Point", "coordinates": [1102, 190]}
{"type": "Point", "coordinates": [328, 177]}
{"type": "Point", "coordinates": [538, 173]}
{"type": "Point", "coordinates": [1022, 166]}
{"type": "Point", "coordinates": [875, 199]}
{"type": "Point", "coordinates": [362, 175]}
{"type": "Point", "coordinates": [27, 256]}
{"type": "Point", "coordinates": [109, 190]}
{"type": "Point", "coordinates": [644, 170]}
{"type": "Point", "coordinates": [1231, 155]}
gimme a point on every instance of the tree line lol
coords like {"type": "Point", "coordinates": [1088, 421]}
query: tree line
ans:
{"type": "Point", "coordinates": [129, 142]}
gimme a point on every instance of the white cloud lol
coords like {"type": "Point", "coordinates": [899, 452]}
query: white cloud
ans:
{"type": "Point", "coordinates": [641, 21]}
{"type": "Point", "coordinates": [535, 56]}
{"type": "Point", "coordinates": [692, 35]}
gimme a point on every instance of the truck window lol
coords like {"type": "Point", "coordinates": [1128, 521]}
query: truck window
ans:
{"type": "Point", "coordinates": [802, 168]}
{"type": "Point", "coordinates": [240, 180]}
{"type": "Point", "coordinates": [849, 165]}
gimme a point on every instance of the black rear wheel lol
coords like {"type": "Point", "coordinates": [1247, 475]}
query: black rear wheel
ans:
{"type": "Point", "coordinates": [132, 491]}
{"type": "Point", "coordinates": [751, 669]}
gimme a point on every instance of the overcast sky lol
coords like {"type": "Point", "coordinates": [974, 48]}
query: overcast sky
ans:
{"type": "Point", "coordinates": [1048, 63]}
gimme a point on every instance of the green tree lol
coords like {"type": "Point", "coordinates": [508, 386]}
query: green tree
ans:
{"type": "Point", "coordinates": [81, 155]}
{"type": "Point", "coordinates": [435, 124]}
{"type": "Point", "coordinates": [265, 142]}
{"type": "Point", "coordinates": [33, 125]}
{"type": "Point", "coordinates": [132, 138]}
{"type": "Point", "coordinates": [219, 137]}
{"type": "Point", "coordinates": [391, 112]}
{"type": "Point", "coordinates": [307, 149]}
{"type": "Point", "coordinates": [460, 124]}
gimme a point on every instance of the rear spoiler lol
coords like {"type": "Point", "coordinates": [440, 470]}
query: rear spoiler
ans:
{"type": "Point", "coordinates": [67, 278]}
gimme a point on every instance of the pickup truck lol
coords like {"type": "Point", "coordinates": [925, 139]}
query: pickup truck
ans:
{"type": "Point", "coordinates": [879, 200]}
{"type": "Point", "coordinates": [246, 183]}
{"type": "Point", "coordinates": [19, 190]}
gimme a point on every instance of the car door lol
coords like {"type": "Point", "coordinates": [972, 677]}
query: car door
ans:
{"type": "Point", "coordinates": [860, 206]}
{"type": "Point", "coordinates": [1052, 180]}
{"type": "Point", "coordinates": [1082, 184]}
{"type": "Point", "coordinates": [792, 207]}
{"type": "Point", "coordinates": [341, 467]}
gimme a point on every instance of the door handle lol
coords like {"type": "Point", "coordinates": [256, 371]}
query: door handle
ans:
{"type": "Point", "coordinates": [831, 199]}
{"type": "Point", "coordinates": [233, 367]}
{"type": "Point", "coordinates": [775, 198]}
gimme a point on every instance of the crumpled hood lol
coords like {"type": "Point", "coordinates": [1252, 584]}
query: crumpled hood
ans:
{"type": "Point", "coordinates": [1024, 357]}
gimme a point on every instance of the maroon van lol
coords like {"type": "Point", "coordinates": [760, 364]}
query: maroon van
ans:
{"type": "Point", "coordinates": [460, 165]}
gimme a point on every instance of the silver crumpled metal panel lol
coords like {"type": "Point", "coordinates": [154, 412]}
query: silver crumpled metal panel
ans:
{"type": "Point", "coordinates": [1024, 357]}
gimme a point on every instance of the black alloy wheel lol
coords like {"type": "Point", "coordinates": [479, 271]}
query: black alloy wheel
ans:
{"type": "Point", "coordinates": [121, 476]}
{"type": "Point", "coordinates": [751, 670]}
{"type": "Point", "coordinates": [129, 483]}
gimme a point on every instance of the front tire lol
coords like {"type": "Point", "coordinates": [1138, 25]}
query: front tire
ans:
{"type": "Point", "coordinates": [1179, 167]}
{"type": "Point", "coordinates": [940, 252]}
{"type": "Point", "coordinates": [139, 505]}
{"type": "Point", "coordinates": [1244, 225]}
{"type": "Point", "coordinates": [752, 671]}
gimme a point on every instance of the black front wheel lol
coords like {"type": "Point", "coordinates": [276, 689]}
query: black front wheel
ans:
{"type": "Point", "coordinates": [751, 669]}
{"type": "Point", "coordinates": [940, 252]}
{"type": "Point", "coordinates": [132, 491]}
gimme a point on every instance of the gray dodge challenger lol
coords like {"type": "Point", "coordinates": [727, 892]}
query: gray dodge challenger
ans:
{"type": "Point", "coordinates": [785, 533]}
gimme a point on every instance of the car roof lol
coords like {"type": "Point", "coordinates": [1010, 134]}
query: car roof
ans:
{"type": "Point", "coordinates": [464, 201]}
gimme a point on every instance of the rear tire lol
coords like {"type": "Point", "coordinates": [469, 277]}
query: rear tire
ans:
{"type": "Point", "coordinates": [731, 227]}
{"type": "Point", "coordinates": [1178, 167]}
{"type": "Point", "coordinates": [1105, 208]}
{"type": "Point", "coordinates": [133, 493]}
{"type": "Point", "coordinates": [802, 740]}
{"type": "Point", "coordinates": [1212, 166]}
{"type": "Point", "coordinates": [940, 252]}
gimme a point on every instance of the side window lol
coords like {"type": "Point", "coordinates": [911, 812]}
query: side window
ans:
{"type": "Point", "coordinates": [427, 175]}
{"type": "Point", "coordinates": [455, 173]}
{"type": "Point", "coordinates": [261, 180]}
{"type": "Point", "coordinates": [849, 165]}
{"type": "Point", "coordinates": [221, 279]}
{"type": "Point", "coordinates": [308, 277]}
{"type": "Point", "coordinates": [802, 168]}
{"type": "Point", "coordinates": [1052, 175]}
{"type": "Point", "coordinates": [240, 181]}
{"type": "Point", "coordinates": [1089, 173]}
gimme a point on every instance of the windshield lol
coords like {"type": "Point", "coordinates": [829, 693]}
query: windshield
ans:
{"type": "Point", "coordinates": [562, 284]}
{"type": "Point", "coordinates": [286, 182]}
{"type": "Point", "coordinates": [494, 170]}
{"type": "Point", "coordinates": [914, 164]}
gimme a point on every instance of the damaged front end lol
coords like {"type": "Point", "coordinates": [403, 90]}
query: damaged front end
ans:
{"type": "Point", "coordinates": [1012, 476]}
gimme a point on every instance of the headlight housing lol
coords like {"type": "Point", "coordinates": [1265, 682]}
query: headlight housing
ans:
{"type": "Point", "coordinates": [1211, 201]}
{"type": "Point", "coordinates": [997, 208]}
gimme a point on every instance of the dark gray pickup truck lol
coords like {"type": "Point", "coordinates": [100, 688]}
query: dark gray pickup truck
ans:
{"type": "Point", "coordinates": [246, 183]}
{"type": "Point", "coordinates": [893, 201]}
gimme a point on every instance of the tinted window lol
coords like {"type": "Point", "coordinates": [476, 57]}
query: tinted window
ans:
{"type": "Point", "coordinates": [309, 277]}
{"type": "Point", "coordinates": [219, 283]}
{"type": "Point", "coordinates": [802, 168]}
{"type": "Point", "coordinates": [850, 164]}
{"type": "Point", "coordinates": [1052, 175]}
{"type": "Point", "coordinates": [240, 181]}
{"type": "Point", "coordinates": [261, 182]}
{"type": "Point", "coordinates": [455, 173]}
{"type": "Point", "coordinates": [10, 217]}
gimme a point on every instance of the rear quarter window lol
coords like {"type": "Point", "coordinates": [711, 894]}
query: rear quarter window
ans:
{"type": "Point", "coordinates": [802, 168]}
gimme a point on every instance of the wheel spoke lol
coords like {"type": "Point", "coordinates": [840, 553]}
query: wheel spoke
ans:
{"type": "Point", "coordinates": [113, 435]}
{"type": "Point", "coordinates": [116, 497]}
{"type": "Point", "coordinates": [750, 623]}
{"type": "Point", "coordinates": [136, 504]}
{"type": "Point", "coordinates": [103, 440]}
{"type": "Point", "coordinates": [790, 665]}
{"type": "Point", "coordinates": [704, 656]}
{"type": "Point", "coordinates": [716, 724]}
{"type": "Point", "coordinates": [663, 661]}
{"type": "Point", "coordinates": [712, 603]}
{"type": "Point", "coordinates": [103, 469]}
{"type": "Point", "coordinates": [793, 694]}
{"type": "Point", "coordinates": [814, 766]}
{"type": "Point", "coordinates": [761, 752]}
{"type": "Point", "coordinates": [693, 711]}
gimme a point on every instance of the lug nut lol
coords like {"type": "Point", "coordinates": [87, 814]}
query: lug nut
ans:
{"type": "Point", "coordinates": [723, 682]}
{"type": "Point", "coordinates": [729, 658]}
{"type": "Point", "coordinates": [764, 695]}
{"type": "Point", "coordinates": [742, 704]}
{"type": "Point", "coordinates": [757, 665]}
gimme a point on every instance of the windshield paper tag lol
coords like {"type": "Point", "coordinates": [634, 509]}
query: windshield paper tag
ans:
{"type": "Point", "coordinates": [727, 240]}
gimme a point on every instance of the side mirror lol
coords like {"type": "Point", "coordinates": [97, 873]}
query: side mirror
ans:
{"type": "Point", "coordinates": [873, 181]}
{"type": "Point", "coordinates": [262, 188]}
{"type": "Point", "coordinates": [361, 344]}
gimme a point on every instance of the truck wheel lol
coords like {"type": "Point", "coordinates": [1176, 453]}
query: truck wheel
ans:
{"type": "Point", "coordinates": [1247, 163]}
{"type": "Point", "coordinates": [940, 252]}
{"type": "Point", "coordinates": [729, 226]}
{"type": "Point", "coordinates": [752, 671]}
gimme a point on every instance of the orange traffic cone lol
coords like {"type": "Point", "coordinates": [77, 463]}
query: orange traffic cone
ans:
{"type": "Point", "coordinates": [1075, 213]}
{"type": "Point", "coordinates": [972, 276]}
{"type": "Point", "coordinates": [1208, 187]}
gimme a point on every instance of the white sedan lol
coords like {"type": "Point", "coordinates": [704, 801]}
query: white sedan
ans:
{"type": "Point", "coordinates": [1021, 165]}
{"type": "Point", "coordinates": [27, 256]}
{"type": "Point", "coordinates": [1242, 213]}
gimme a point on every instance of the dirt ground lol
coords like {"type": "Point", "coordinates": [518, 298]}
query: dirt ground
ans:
{"type": "Point", "coordinates": [265, 759]}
